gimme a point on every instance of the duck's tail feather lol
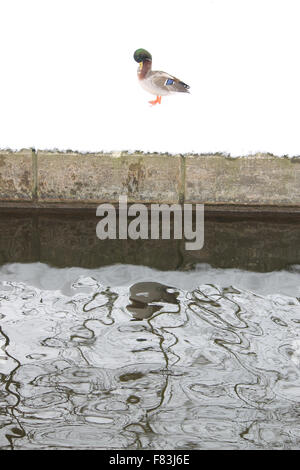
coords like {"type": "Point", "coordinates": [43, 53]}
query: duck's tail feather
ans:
{"type": "Point", "coordinates": [185, 87]}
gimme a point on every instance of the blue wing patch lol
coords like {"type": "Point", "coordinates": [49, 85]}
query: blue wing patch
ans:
{"type": "Point", "coordinates": [169, 81]}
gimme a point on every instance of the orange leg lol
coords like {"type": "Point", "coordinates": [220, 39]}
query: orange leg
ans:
{"type": "Point", "coordinates": [158, 100]}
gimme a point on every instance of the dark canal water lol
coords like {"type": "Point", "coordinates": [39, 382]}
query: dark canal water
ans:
{"type": "Point", "coordinates": [143, 345]}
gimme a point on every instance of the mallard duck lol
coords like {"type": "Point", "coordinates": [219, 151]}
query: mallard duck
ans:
{"type": "Point", "coordinates": [156, 82]}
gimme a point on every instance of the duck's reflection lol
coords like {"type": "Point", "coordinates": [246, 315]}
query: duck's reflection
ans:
{"type": "Point", "coordinates": [148, 298]}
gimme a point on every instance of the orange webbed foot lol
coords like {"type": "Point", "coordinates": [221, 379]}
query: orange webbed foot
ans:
{"type": "Point", "coordinates": [158, 100]}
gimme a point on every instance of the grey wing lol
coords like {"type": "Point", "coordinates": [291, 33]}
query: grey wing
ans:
{"type": "Point", "coordinates": [169, 83]}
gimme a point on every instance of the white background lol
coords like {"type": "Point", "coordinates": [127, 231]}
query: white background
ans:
{"type": "Point", "coordinates": [68, 78]}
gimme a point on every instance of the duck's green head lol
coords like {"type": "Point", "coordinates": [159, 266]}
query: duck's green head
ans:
{"type": "Point", "coordinates": [141, 55]}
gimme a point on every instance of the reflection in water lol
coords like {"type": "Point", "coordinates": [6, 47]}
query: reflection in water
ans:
{"type": "Point", "coordinates": [150, 297]}
{"type": "Point", "coordinates": [212, 367]}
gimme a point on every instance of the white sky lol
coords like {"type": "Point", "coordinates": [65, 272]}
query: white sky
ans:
{"type": "Point", "coordinates": [68, 78]}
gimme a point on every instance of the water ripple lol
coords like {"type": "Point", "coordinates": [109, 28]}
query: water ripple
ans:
{"type": "Point", "coordinates": [151, 366]}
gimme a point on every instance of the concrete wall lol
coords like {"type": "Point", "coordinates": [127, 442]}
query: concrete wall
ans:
{"type": "Point", "coordinates": [50, 178]}
{"type": "Point", "coordinates": [68, 238]}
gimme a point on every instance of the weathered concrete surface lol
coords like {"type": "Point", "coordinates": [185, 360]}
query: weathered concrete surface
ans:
{"type": "Point", "coordinates": [17, 238]}
{"type": "Point", "coordinates": [260, 179]}
{"type": "Point", "coordinates": [103, 177]}
{"type": "Point", "coordinates": [69, 179]}
{"type": "Point", "coordinates": [70, 240]}
{"type": "Point", "coordinates": [259, 244]}
{"type": "Point", "coordinates": [16, 175]}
